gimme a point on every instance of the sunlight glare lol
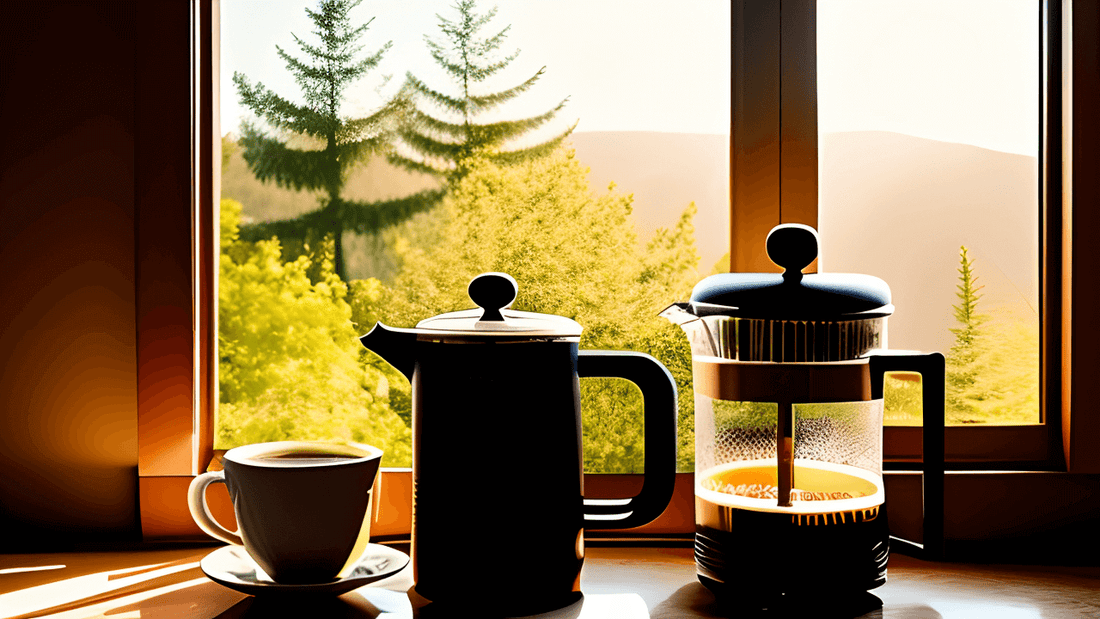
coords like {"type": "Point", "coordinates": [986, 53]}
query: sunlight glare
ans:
{"type": "Point", "coordinates": [31, 568]}
{"type": "Point", "coordinates": [953, 609]}
{"type": "Point", "coordinates": [89, 587]}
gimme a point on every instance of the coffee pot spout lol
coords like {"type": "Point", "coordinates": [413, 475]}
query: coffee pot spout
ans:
{"type": "Point", "coordinates": [395, 346]}
{"type": "Point", "coordinates": [696, 329]}
{"type": "Point", "coordinates": [678, 313]}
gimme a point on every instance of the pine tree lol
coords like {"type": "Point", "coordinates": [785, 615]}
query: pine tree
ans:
{"type": "Point", "coordinates": [964, 358]}
{"type": "Point", "coordinates": [323, 77]}
{"type": "Point", "coordinates": [444, 146]}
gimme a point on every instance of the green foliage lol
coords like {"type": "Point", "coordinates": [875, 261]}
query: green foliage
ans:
{"type": "Point", "coordinates": [963, 362]}
{"type": "Point", "coordinates": [966, 312]}
{"type": "Point", "coordinates": [331, 143]}
{"type": "Point", "coordinates": [964, 359]}
{"type": "Point", "coordinates": [993, 367]}
{"type": "Point", "coordinates": [730, 414]}
{"type": "Point", "coordinates": [722, 265]}
{"type": "Point", "coordinates": [1000, 385]}
{"type": "Point", "coordinates": [365, 297]}
{"type": "Point", "coordinates": [1009, 382]}
{"type": "Point", "coordinates": [290, 365]}
{"type": "Point", "coordinates": [574, 254]}
{"type": "Point", "coordinates": [229, 146]}
{"type": "Point", "coordinates": [444, 145]}
{"type": "Point", "coordinates": [902, 393]}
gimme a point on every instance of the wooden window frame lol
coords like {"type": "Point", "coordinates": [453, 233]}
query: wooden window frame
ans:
{"type": "Point", "coordinates": [176, 146]}
{"type": "Point", "coordinates": [773, 179]}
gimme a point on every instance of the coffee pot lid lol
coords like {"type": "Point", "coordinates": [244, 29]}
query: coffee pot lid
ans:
{"type": "Point", "coordinates": [493, 293]}
{"type": "Point", "coordinates": [792, 295]}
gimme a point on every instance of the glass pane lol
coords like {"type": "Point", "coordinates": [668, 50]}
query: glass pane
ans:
{"type": "Point", "coordinates": [620, 221]}
{"type": "Point", "coordinates": [928, 120]}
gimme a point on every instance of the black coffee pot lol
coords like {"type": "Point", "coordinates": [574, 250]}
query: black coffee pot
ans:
{"type": "Point", "coordinates": [497, 465]}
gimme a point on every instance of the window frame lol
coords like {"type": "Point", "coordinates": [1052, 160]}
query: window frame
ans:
{"type": "Point", "coordinates": [177, 183]}
{"type": "Point", "coordinates": [175, 287]}
{"type": "Point", "coordinates": [774, 180]}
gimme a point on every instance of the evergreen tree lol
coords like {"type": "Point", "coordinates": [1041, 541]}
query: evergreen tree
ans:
{"type": "Point", "coordinates": [339, 142]}
{"type": "Point", "coordinates": [443, 146]}
{"type": "Point", "coordinates": [964, 358]}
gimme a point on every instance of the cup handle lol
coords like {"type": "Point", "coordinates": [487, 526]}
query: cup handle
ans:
{"type": "Point", "coordinates": [196, 500]}
{"type": "Point", "coordinates": [661, 410]}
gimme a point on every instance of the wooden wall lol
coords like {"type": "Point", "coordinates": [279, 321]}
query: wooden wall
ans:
{"type": "Point", "coordinates": [68, 417]}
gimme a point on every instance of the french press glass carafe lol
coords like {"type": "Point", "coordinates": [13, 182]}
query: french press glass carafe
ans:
{"type": "Point", "coordinates": [788, 374]}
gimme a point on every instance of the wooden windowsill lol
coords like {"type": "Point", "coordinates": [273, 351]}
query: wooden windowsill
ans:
{"type": "Point", "coordinates": [622, 581]}
{"type": "Point", "coordinates": [990, 516]}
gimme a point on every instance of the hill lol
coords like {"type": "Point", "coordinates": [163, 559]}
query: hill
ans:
{"type": "Point", "coordinates": [898, 207]}
{"type": "Point", "coordinates": [665, 172]}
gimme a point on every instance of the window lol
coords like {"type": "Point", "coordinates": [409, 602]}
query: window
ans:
{"type": "Point", "coordinates": [648, 91]}
{"type": "Point", "coordinates": [928, 149]}
{"type": "Point", "coordinates": [797, 168]}
{"type": "Point", "coordinates": [167, 416]}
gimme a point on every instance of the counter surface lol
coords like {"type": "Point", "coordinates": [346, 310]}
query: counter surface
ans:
{"type": "Point", "coordinates": [619, 582]}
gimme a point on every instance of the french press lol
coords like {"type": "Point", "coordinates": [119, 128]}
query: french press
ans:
{"type": "Point", "coordinates": [788, 374]}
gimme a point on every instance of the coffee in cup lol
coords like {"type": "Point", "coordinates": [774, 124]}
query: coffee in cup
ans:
{"type": "Point", "coordinates": [303, 508]}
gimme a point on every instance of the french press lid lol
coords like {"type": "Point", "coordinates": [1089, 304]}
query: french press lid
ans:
{"type": "Point", "coordinates": [791, 295]}
{"type": "Point", "coordinates": [493, 293]}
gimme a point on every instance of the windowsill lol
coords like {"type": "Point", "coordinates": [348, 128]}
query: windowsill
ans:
{"type": "Point", "coordinates": [1007, 516]}
{"type": "Point", "coordinates": [656, 582]}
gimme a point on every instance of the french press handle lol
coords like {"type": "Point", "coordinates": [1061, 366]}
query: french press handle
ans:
{"type": "Point", "coordinates": [659, 398]}
{"type": "Point", "coordinates": [931, 367]}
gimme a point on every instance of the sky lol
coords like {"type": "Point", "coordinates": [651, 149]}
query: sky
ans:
{"type": "Point", "coordinates": [962, 71]}
{"type": "Point", "coordinates": [953, 70]}
{"type": "Point", "coordinates": [649, 68]}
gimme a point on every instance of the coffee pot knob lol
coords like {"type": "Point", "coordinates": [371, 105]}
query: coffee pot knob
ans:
{"type": "Point", "coordinates": [793, 247]}
{"type": "Point", "coordinates": [492, 292]}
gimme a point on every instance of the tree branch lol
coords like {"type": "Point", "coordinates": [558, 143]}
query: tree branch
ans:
{"type": "Point", "coordinates": [270, 159]}
{"type": "Point", "coordinates": [539, 150]}
{"type": "Point", "coordinates": [278, 111]}
{"type": "Point", "coordinates": [369, 217]}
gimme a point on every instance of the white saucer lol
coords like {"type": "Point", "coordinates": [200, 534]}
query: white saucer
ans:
{"type": "Point", "coordinates": [230, 566]}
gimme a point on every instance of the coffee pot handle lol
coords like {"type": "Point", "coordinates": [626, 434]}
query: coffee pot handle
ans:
{"type": "Point", "coordinates": [659, 398]}
{"type": "Point", "coordinates": [196, 500]}
{"type": "Point", "coordinates": [931, 367]}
